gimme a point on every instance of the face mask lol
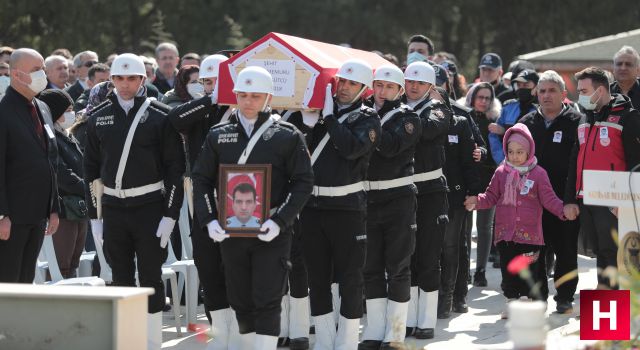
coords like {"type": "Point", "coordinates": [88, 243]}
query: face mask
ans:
{"type": "Point", "coordinates": [196, 90]}
{"type": "Point", "coordinates": [4, 84]}
{"type": "Point", "coordinates": [69, 119]}
{"type": "Point", "coordinates": [38, 81]}
{"type": "Point", "coordinates": [524, 95]}
{"type": "Point", "coordinates": [585, 101]}
{"type": "Point", "coordinates": [415, 57]}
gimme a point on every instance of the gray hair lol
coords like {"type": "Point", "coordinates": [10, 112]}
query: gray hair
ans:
{"type": "Point", "coordinates": [49, 61]}
{"type": "Point", "coordinates": [77, 59]}
{"type": "Point", "coordinates": [166, 46]}
{"type": "Point", "coordinates": [627, 50]}
{"type": "Point", "coordinates": [553, 77]}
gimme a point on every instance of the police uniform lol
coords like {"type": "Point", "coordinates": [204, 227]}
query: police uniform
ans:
{"type": "Point", "coordinates": [334, 219]}
{"type": "Point", "coordinates": [391, 223]}
{"type": "Point", "coordinates": [256, 271]}
{"type": "Point", "coordinates": [463, 180]}
{"type": "Point", "coordinates": [151, 188]}
{"type": "Point", "coordinates": [193, 120]}
{"type": "Point", "coordinates": [431, 214]}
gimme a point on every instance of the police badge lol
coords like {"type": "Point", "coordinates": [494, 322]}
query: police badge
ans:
{"type": "Point", "coordinates": [409, 128]}
{"type": "Point", "coordinates": [353, 116]}
{"type": "Point", "coordinates": [372, 135]}
{"type": "Point", "coordinates": [268, 134]}
{"type": "Point", "coordinates": [629, 254]}
{"type": "Point", "coordinates": [438, 113]}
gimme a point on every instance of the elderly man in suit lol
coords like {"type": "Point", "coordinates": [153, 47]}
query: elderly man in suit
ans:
{"type": "Point", "coordinates": [28, 153]}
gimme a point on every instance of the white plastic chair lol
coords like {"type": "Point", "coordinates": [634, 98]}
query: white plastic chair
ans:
{"type": "Point", "coordinates": [54, 270]}
{"type": "Point", "coordinates": [188, 279]}
{"type": "Point", "coordinates": [85, 267]}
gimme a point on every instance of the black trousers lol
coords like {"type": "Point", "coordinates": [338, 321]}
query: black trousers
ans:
{"type": "Point", "coordinates": [18, 254]}
{"type": "Point", "coordinates": [335, 246]}
{"type": "Point", "coordinates": [464, 264]}
{"type": "Point", "coordinates": [452, 250]}
{"type": "Point", "coordinates": [391, 229]}
{"type": "Point", "coordinates": [561, 239]}
{"type": "Point", "coordinates": [597, 223]}
{"type": "Point", "coordinates": [298, 278]}
{"type": "Point", "coordinates": [432, 219]}
{"type": "Point", "coordinates": [206, 255]}
{"type": "Point", "coordinates": [513, 286]}
{"type": "Point", "coordinates": [256, 274]}
{"type": "Point", "coordinates": [130, 237]}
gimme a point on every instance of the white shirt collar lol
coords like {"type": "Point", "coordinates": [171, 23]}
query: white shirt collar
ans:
{"type": "Point", "coordinates": [125, 104]}
{"type": "Point", "coordinates": [247, 124]}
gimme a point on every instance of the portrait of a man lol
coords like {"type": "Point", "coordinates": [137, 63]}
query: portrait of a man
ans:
{"type": "Point", "coordinates": [244, 203]}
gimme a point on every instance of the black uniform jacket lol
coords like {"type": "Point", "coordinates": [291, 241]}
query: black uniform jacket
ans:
{"type": "Point", "coordinates": [156, 155]}
{"type": "Point", "coordinates": [281, 145]}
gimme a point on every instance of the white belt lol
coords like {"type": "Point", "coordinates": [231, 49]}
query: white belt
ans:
{"type": "Point", "coordinates": [134, 192]}
{"type": "Point", "coordinates": [430, 175]}
{"type": "Point", "coordinates": [387, 184]}
{"type": "Point", "coordinates": [337, 191]}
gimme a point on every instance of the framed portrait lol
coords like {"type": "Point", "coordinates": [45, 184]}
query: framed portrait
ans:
{"type": "Point", "coordinates": [245, 192]}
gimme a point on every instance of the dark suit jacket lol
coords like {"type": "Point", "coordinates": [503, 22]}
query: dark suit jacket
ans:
{"type": "Point", "coordinates": [74, 90]}
{"type": "Point", "coordinates": [28, 184]}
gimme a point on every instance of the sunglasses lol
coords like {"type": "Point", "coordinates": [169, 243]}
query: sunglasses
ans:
{"type": "Point", "coordinates": [89, 64]}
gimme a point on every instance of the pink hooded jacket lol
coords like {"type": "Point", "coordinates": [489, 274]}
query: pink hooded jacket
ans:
{"type": "Point", "coordinates": [520, 222]}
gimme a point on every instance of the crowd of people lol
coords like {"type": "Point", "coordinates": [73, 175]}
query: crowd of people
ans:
{"type": "Point", "coordinates": [370, 197]}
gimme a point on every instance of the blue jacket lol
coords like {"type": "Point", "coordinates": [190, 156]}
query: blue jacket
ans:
{"type": "Point", "coordinates": [508, 118]}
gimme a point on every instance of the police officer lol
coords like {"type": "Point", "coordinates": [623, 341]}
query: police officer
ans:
{"type": "Point", "coordinates": [333, 221]}
{"type": "Point", "coordinates": [255, 269]}
{"type": "Point", "coordinates": [134, 156]}
{"type": "Point", "coordinates": [391, 213]}
{"type": "Point", "coordinates": [432, 206]}
{"type": "Point", "coordinates": [193, 120]}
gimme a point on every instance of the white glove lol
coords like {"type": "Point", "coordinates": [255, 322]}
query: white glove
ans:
{"type": "Point", "coordinates": [310, 118]}
{"type": "Point", "coordinates": [272, 231]}
{"type": "Point", "coordinates": [164, 230]}
{"type": "Point", "coordinates": [214, 94]}
{"type": "Point", "coordinates": [216, 232]}
{"type": "Point", "coordinates": [97, 229]}
{"type": "Point", "coordinates": [328, 103]}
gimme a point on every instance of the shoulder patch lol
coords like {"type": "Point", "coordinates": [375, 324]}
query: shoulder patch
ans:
{"type": "Point", "coordinates": [372, 135]}
{"type": "Point", "coordinates": [409, 128]}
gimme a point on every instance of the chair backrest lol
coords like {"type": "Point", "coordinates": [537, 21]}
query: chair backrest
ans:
{"type": "Point", "coordinates": [105, 269]}
{"type": "Point", "coordinates": [185, 230]}
{"type": "Point", "coordinates": [52, 260]}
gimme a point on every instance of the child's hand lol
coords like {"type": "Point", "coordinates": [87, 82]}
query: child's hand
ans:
{"type": "Point", "coordinates": [470, 202]}
{"type": "Point", "coordinates": [571, 211]}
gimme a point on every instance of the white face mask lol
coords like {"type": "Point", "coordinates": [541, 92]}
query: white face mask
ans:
{"type": "Point", "coordinates": [69, 119]}
{"type": "Point", "coordinates": [4, 84]}
{"type": "Point", "coordinates": [585, 101]}
{"type": "Point", "coordinates": [38, 81]}
{"type": "Point", "coordinates": [196, 90]}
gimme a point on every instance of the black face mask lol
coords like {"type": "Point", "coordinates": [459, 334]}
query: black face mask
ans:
{"type": "Point", "coordinates": [524, 95]}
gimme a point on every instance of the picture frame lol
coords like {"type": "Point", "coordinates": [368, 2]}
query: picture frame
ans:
{"type": "Point", "coordinates": [244, 198]}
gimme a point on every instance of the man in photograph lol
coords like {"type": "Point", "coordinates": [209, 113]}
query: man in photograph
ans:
{"type": "Point", "coordinates": [243, 204]}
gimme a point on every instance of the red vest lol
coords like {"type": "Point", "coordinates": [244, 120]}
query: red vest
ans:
{"type": "Point", "coordinates": [600, 146]}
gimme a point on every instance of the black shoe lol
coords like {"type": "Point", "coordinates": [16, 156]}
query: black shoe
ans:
{"type": "Point", "coordinates": [392, 346]}
{"type": "Point", "coordinates": [409, 332]}
{"type": "Point", "coordinates": [564, 307]}
{"type": "Point", "coordinates": [444, 306]}
{"type": "Point", "coordinates": [424, 333]}
{"type": "Point", "coordinates": [460, 306]}
{"type": "Point", "coordinates": [479, 279]}
{"type": "Point", "coordinates": [370, 345]}
{"type": "Point", "coordinates": [166, 308]}
{"type": "Point", "coordinates": [299, 344]}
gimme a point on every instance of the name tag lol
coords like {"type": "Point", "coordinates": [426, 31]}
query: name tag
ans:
{"type": "Point", "coordinates": [604, 132]}
{"type": "Point", "coordinates": [527, 187]}
{"type": "Point", "coordinates": [49, 132]}
{"type": "Point", "coordinates": [557, 136]}
{"type": "Point", "coordinates": [453, 138]}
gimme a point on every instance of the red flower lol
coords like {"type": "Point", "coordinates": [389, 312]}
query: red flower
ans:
{"type": "Point", "coordinates": [518, 264]}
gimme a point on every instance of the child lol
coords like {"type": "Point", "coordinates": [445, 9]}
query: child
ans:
{"type": "Point", "coordinates": [519, 189]}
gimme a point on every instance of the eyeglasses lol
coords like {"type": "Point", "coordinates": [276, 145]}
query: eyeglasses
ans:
{"type": "Point", "coordinates": [483, 98]}
{"type": "Point", "coordinates": [89, 64]}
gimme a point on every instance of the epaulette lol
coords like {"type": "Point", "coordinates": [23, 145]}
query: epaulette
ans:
{"type": "Point", "coordinates": [192, 110]}
{"type": "Point", "coordinates": [159, 107]}
{"type": "Point", "coordinates": [285, 124]}
{"type": "Point", "coordinates": [99, 107]}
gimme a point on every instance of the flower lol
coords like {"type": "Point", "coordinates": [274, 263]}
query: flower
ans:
{"type": "Point", "coordinates": [518, 264]}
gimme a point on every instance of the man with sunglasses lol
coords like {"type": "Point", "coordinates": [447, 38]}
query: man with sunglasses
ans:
{"type": "Point", "coordinates": [82, 62]}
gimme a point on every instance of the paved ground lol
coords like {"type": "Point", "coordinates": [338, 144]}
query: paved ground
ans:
{"type": "Point", "coordinates": [481, 328]}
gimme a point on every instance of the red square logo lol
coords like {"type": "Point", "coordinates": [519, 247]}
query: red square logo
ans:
{"type": "Point", "coordinates": [605, 315]}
